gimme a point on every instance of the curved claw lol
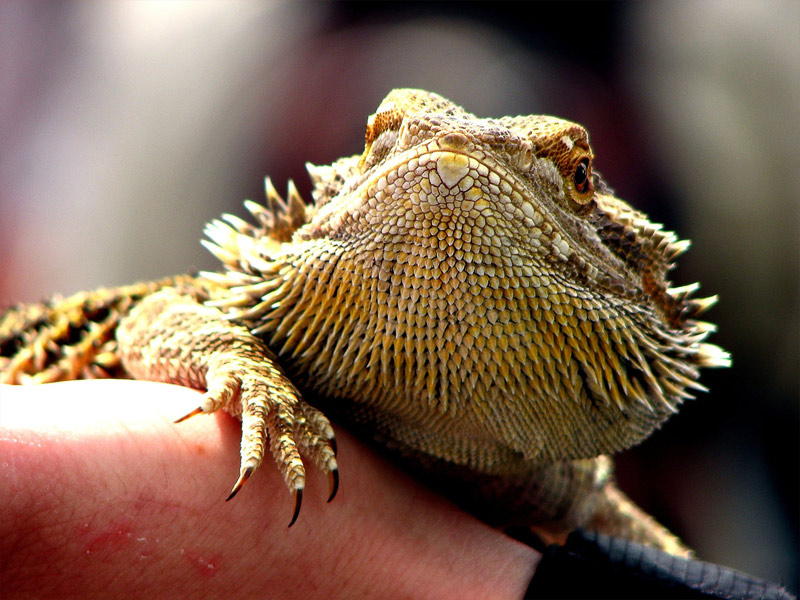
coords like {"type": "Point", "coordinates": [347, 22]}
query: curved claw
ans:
{"type": "Point", "coordinates": [333, 483]}
{"type": "Point", "coordinates": [196, 411]}
{"type": "Point", "coordinates": [243, 477]}
{"type": "Point", "coordinates": [298, 502]}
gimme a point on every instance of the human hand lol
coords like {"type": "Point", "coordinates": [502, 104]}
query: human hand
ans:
{"type": "Point", "coordinates": [103, 495]}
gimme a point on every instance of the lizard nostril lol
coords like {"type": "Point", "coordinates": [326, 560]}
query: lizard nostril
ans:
{"type": "Point", "coordinates": [454, 140]}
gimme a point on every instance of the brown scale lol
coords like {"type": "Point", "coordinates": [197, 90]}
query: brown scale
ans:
{"type": "Point", "coordinates": [466, 292]}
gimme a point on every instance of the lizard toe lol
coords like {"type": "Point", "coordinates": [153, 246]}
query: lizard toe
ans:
{"type": "Point", "coordinates": [275, 420]}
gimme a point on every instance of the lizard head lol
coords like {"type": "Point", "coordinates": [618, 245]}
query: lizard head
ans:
{"type": "Point", "coordinates": [478, 269]}
{"type": "Point", "coordinates": [459, 189]}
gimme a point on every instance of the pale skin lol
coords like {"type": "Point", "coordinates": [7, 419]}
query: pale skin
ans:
{"type": "Point", "coordinates": [129, 504]}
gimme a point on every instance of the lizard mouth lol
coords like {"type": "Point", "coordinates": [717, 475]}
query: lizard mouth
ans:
{"type": "Point", "coordinates": [631, 255]}
{"type": "Point", "coordinates": [450, 200]}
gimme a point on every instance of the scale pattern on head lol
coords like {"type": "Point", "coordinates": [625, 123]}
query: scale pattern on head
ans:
{"type": "Point", "coordinates": [474, 279]}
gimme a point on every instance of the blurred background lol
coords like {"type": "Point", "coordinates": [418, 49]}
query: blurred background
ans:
{"type": "Point", "coordinates": [126, 126]}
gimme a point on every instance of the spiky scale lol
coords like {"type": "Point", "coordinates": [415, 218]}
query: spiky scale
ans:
{"type": "Point", "coordinates": [454, 291]}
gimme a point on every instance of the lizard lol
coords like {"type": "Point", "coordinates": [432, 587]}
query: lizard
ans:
{"type": "Point", "coordinates": [467, 293]}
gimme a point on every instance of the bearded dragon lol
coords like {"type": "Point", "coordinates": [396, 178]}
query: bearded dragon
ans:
{"type": "Point", "coordinates": [467, 293]}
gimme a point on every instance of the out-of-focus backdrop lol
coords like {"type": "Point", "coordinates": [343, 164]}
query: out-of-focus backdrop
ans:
{"type": "Point", "coordinates": [125, 126]}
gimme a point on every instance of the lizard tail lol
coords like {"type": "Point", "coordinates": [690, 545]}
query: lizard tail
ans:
{"type": "Point", "coordinates": [68, 338]}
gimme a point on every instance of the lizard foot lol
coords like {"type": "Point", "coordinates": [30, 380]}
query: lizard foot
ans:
{"type": "Point", "coordinates": [273, 414]}
{"type": "Point", "coordinates": [240, 374]}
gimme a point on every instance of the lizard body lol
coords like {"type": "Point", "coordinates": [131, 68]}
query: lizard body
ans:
{"type": "Point", "coordinates": [466, 292]}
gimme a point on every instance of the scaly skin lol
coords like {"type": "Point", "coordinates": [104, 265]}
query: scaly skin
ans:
{"type": "Point", "coordinates": [466, 292]}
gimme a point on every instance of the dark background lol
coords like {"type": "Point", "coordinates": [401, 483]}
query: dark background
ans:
{"type": "Point", "coordinates": [124, 127]}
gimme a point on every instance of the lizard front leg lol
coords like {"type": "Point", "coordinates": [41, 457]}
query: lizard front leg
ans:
{"type": "Point", "coordinates": [171, 337]}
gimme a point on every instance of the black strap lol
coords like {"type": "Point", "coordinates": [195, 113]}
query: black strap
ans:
{"type": "Point", "coordinates": [592, 565]}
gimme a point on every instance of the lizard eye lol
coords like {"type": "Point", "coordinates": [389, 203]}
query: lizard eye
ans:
{"type": "Point", "coordinates": [380, 137]}
{"type": "Point", "coordinates": [382, 122]}
{"type": "Point", "coordinates": [581, 178]}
